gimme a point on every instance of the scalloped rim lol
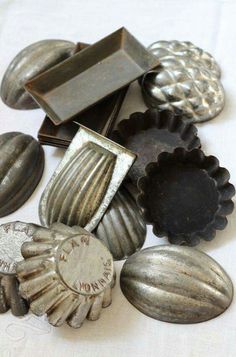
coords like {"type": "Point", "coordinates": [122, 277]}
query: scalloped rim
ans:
{"type": "Point", "coordinates": [221, 178]}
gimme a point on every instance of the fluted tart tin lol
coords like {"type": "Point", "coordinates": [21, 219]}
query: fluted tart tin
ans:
{"type": "Point", "coordinates": [187, 81]}
{"type": "Point", "coordinates": [30, 62]}
{"type": "Point", "coordinates": [66, 275]}
{"type": "Point", "coordinates": [91, 75]}
{"type": "Point", "coordinates": [12, 236]}
{"type": "Point", "coordinates": [122, 228]}
{"type": "Point", "coordinates": [176, 284]}
{"type": "Point", "coordinates": [186, 196]}
{"type": "Point", "coordinates": [21, 168]}
{"type": "Point", "coordinates": [152, 132]}
{"type": "Point", "coordinates": [85, 181]}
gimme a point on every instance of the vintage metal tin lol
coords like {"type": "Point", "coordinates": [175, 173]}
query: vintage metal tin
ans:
{"type": "Point", "coordinates": [150, 133]}
{"type": "Point", "coordinates": [76, 270]}
{"type": "Point", "coordinates": [85, 181]}
{"type": "Point", "coordinates": [90, 76]}
{"type": "Point", "coordinates": [122, 228]}
{"type": "Point", "coordinates": [21, 168]}
{"type": "Point", "coordinates": [186, 81]}
{"type": "Point", "coordinates": [100, 118]}
{"type": "Point", "coordinates": [176, 284]}
{"type": "Point", "coordinates": [31, 61]}
{"type": "Point", "coordinates": [186, 196]}
{"type": "Point", "coordinates": [12, 236]}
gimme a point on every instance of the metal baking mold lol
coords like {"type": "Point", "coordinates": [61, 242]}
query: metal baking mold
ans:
{"type": "Point", "coordinates": [186, 196]}
{"type": "Point", "coordinates": [176, 284]}
{"type": "Point", "coordinates": [10, 297]}
{"type": "Point", "coordinates": [122, 228]}
{"type": "Point", "coordinates": [68, 276]}
{"type": "Point", "coordinates": [186, 81]}
{"type": "Point", "coordinates": [152, 132]}
{"type": "Point", "coordinates": [30, 62]}
{"type": "Point", "coordinates": [21, 168]}
{"type": "Point", "coordinates": [85, 181]}
{"type": "Point", "coordinates": [100, 118]}
{"type": "Point", "coordinates": [89, 76]}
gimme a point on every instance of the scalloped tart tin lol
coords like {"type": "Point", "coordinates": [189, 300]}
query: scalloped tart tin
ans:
{"type": "Point", "coordinates": [186, 196]}
{"type": "Point", "coordinates": [152, 132]}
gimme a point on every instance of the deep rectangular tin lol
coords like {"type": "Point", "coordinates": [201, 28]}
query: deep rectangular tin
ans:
{"type": "Point", "coordinates": [90, 75]}
{"type": "Point", "coordinates": [100, 118]}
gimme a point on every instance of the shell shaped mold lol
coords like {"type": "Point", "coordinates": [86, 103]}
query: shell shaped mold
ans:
{"type": "Point", "coordinates": [176, 284]}
{"type": "Point", "coordinates": [122, 228]}
{"type": "Point", "coordinates": [30, 62]}
{"type": "Point", "coordinates": [21, 168]}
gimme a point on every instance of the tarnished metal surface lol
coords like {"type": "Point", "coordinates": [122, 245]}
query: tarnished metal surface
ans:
{"type": "Point", "coordinates": [176, 284]}
{"type": "Point", "coordinates": [85, 181]}
{"type": "Point", "coordinates": [186, 196]}
{"type": "Point", "coordinates": [30, 62]}
{"type": "Point", "coordinates": [68, 276]}
{"type": "Point", "coordinates": [122, 228]}
{"type": "Point", "coordinates": [21, 168]}
{"type": "Point", "coordinates": [152, 132]}
{"type": "Point", "coordinates": [10, 297]}
{"type": "Point", "coordinates": [12, 236]}
{"type": "Point", "coordinates": [91, 75]}
{"type": "Point", "coordinates": [186, 81]}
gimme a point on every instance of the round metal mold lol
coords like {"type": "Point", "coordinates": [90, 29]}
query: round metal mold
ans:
{"type": "Point", "coordinates": [21, 168]}
{"type": "Point", "coordinates": [122, 229]}
{"type": "Point", "coordinates": [187, 82]}
{"type": "Point", "coordinates": [12, 236]}
{"type": "Point", "coordinates": [152, 132]}
{"type": "Point", "coordinates": [30, 62]}
{"type": "Point", "coordinates": [176, 284]}
{"type": "Point", "coordinates": [168, 49]}
{"type": "Point", "coordinates": [186, 196]}
{"type": "Point", "coordinates": [67, 274]}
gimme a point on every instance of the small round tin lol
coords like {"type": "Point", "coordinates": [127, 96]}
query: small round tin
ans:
{"type": "Point", "coordinates": [152, 132]}
{"type": "Point", "coordinates": [186, 196]}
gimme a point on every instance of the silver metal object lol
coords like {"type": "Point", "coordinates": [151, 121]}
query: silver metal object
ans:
{"type": "Point", "coordinates": [85, 181]}
{"type": "Point", "coordinates": [187, 81]}
{"type": "Point", "coordinates": [176, 284]}
{"type": "Point", "coordinates": [12, 236]}
{"type": "Point", "coordinates": [10, 297]}
{"type": "Point", "coordinates": [30, 62]}
{"type": "Point", "coordinates": [122, 229]}
{"type": "Point", "coordinates": [21, 168]}
{"type": "Point", "coordinates": [66, 274]}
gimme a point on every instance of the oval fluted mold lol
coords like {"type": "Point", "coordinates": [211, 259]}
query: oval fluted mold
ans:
{"type": "Point", "coordinates": [67, 274]}
{"type": "Point", "coordinates": [30, 62]}
{"type": "Point", "coordinates": [122, 228]}
{"type": "Point", "coordinates": [21, 168]}
{"type": "Point", "coordinates": [79, 189]}
{"type": "Point", "coordinates": [176, 284]}
{"type": "Point", "coordinates": [10, 297]}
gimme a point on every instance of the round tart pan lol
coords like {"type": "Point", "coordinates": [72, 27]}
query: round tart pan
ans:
{"type": "Point", "coordinates": [152, 132]}
{"type": "Point", "coordinates": [186, 196]}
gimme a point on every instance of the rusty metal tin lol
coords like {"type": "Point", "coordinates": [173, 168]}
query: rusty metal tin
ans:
{"type": "Point", "coordinates": [186, 196]}
{"type": "Point", "coordinates": [90, 76]}
{"type": "Point", "coordinates": [85, 181]}
{"type": "Point", "coordinates": [176, 284]}
{"type": "Point", "coordinates": [21, 168]}
{"type": "Point", "coordinates": [30, 62]}
{"type": "Point", "coordinates": [65, 274]}
{"type": "Point", "coordinates": [152, 132]}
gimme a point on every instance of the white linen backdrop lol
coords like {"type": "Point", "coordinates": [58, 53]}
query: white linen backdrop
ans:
{"type": "Point", "coordinates": [122, 330]}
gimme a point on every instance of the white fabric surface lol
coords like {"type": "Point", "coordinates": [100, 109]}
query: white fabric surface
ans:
{"type": "Point", "coordinates": [122, 330]}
